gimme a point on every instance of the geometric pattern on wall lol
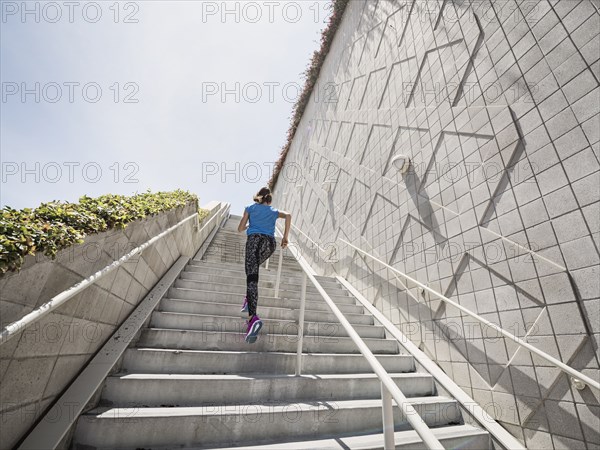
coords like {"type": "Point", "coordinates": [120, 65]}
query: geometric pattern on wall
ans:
{"type": "Point", "coordinates": [476, 217]}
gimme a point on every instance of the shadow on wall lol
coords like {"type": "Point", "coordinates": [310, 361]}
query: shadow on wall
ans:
{"type": "Point", "coordinates": [423, 205]}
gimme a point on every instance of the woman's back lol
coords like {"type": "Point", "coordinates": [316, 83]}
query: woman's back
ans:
{"type": "Point", "coordinates": [262, 219]}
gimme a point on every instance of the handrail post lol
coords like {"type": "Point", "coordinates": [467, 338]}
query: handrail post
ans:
{"type": "Point", "coordinates": [388, 419]}
{"type": "Point", "coordinates": [301, 326]}
{"type": "Point", "coordinates": [278, 272]}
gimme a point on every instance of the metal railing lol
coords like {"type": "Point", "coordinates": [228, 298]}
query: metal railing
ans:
{"type": "Point", "coordinates": [498, 432]}
{"type": "Point", "coordinates": [579, 379]}
{"type": "Point", "coordinates": [16, 327]}
{"type": "Point", "coordinates": [577, 376]}
{"type": "Point", "coordinates": [389, 389]}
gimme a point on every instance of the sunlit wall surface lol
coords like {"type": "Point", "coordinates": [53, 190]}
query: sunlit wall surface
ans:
{"type": "Point", "coordinates": [496, 103]}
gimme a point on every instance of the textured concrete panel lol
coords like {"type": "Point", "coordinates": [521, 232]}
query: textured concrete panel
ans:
{"type": "Point", "coordinates": [497, 105]}
{"type": "Point", "coordinates": [40, 361]}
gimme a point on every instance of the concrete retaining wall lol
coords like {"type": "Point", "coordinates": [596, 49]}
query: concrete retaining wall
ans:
{"type": "Point", "coordinates": [37, 364]}
{"type": "Point", "coordinates": [497, 105]}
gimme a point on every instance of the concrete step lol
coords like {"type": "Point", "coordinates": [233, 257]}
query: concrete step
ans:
{"type": "Point", "coordinates": [267, 275]}
{"type": "Point", "coordinates": [151, 360]}
{"type": "Point", "coordinates": [312, 303]}
{"type": "Point", "coordinates": [240, 280]}
{"type": "Point", "coordinates": [465, 437]}
{"type": "Point", "coordinates": [230, 229]}
{"type": "Point", "coordinates": [233, 238]}
{"type": "Point", "coordinates": [152, 390]}
{"type": "Point", "coordinates": [202, 322]}
{"type": "Point", "coordinates": [230, 226]}
{"type": "Point", "coordinates": [238, 251]}
{"type": "Point", "coordinates": [264, 312]}
{"type": "Point", "coordinates": [209, 425]}
{"type": "Point", "coordinates": [237, 242]}
{"type": "Point", "coordinates": [239, 265]}
{"type": "Point", "coordinates": [233, 233]}
{"type": "Point", "coordinates": [266, 292]}
{"type": "Point", "coordinates": [239, 259]}
{"type": "Point", "coordinates": [226, 341]}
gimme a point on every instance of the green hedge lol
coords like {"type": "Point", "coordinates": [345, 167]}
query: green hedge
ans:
{"type": "Point", "coordinates": [56, 225]}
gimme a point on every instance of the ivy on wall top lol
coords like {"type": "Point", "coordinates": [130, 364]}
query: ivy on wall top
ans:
{"type": "Point", "coordinates": [311, 75]}
{"type": "Point", "coordinates": [56, 225]}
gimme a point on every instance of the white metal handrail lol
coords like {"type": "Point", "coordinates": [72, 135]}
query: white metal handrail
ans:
{"type": "Point", "coordinates": [278, 272]}
{"type": "Point", "coordinates": [306, 236]}
{"type": "Point", "coordinates": [507, 440]}
{"type": "Point", "coordinates": [16, 327]}
{"type": "Point", "coordinates": [389, 389]}
{"type": "Point", "coordinates": [323, 250]}
{"type": "Point", "coordinates": [578, 376]}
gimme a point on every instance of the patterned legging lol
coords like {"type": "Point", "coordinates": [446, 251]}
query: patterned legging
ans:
{"type": "Point", "coordinates": [258, 249]}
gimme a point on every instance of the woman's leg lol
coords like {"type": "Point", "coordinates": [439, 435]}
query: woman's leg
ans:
{"type": "Point", "coordinates": [257, 252]}
{"type": "Point", "coordinates": [267, 248]}
{"type": "Point", "coordinates": [251, 266]}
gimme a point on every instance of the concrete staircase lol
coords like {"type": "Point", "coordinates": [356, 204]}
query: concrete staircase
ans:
{"type": "Point", "coordinates": [192, 381]}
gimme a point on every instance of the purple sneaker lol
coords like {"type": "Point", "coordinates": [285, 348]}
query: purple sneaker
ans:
{"type": "Point", "coordinates": [245, 307]}
{"type": "Point", "coordinates": [254, 326]}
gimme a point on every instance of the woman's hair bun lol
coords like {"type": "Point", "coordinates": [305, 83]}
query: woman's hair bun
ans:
{"type": "Point", "coordinates": [263, 196]}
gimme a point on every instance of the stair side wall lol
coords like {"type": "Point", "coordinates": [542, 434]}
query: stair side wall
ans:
{"type": "Point", "coordinates": [496, 103]}
{"type": "Point", "coordinates": [40, 362]}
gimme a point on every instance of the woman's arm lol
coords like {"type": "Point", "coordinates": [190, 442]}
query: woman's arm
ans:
{"type": "Point", "coordinates": [288, 222]}
{"type": "Point", "coordinates": [243, 222]}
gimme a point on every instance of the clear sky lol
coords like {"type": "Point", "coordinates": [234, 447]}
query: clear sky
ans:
{"type": "Point", "coordinates": [120, 97]}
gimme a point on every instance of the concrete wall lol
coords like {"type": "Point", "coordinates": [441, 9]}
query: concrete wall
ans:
{"type": "Point", "coordinates": [496, 104]}
{"type": "Point", "coordinates": [38, 363]}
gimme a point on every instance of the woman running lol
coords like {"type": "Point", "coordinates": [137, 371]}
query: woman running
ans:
{"type": "Point", "coordinates": [259, 246]}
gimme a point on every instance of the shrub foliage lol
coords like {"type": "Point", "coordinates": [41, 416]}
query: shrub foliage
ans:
{"type": "Point", "coordinates": [56, 225]}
